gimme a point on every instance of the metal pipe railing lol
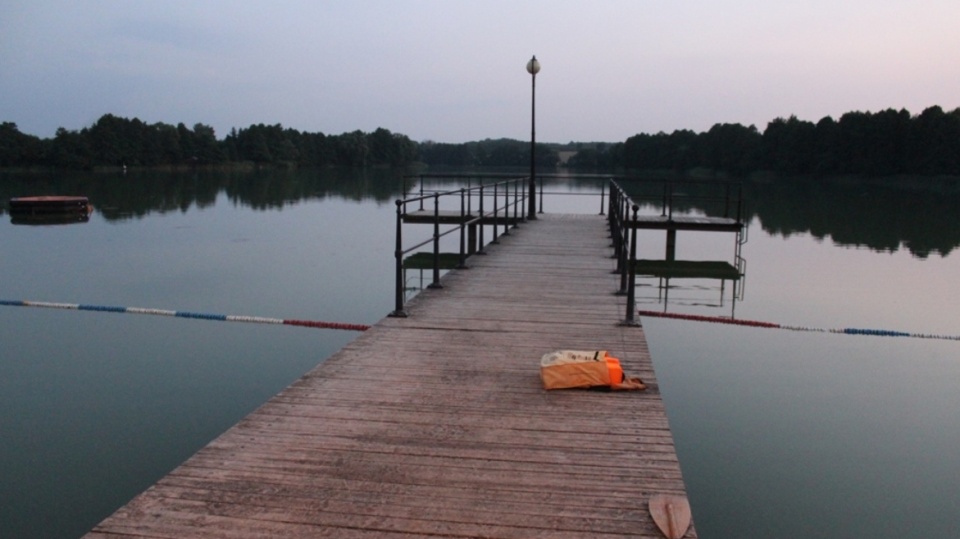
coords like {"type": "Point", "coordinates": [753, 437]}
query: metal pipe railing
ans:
{"type": "Point", "coordinates": [624, 234]}
{"type": "Point", "coordinates": [463, 222]}
{"type": "Point", "coordinates": [617, 205]}
{"type": "Point", "coordinates": [630, 319]}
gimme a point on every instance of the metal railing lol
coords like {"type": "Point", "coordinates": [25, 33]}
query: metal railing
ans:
{"type": "Point", "coordinates": [469, 213]}
{"type": "Point", "coordinates": [720, 194]}
{"type": "Point", "coordinates": [623, 231]}
{"type": "Point", "coordinates": [623, 223]}
{"type": "Point", "coordinates": [419, 182]}
{"type": "Point", "coordinates": [505, 196]}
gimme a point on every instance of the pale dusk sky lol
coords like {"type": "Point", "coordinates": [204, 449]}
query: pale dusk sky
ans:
{"type": "Point", "coordinates": [454, 71]}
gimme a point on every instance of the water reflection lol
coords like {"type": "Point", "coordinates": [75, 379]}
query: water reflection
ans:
{"type": "Point", "coordinates": [137, 194]}
{"type": "Point", "coordinates": [878, 216]}
{"type": "Point", "coordinates": [663, 293]}
{"type": "Point", "coordinates": [924, 221]}
{"type": "Point", "coordinates": [922, 217]}
{"type": "Point", "coordinates": [50, 219]}
{"type": "Point", "coordinates": [803, 427]}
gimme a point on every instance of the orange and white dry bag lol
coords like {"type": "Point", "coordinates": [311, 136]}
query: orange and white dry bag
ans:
{"type": "Point", "coordinates": [582, 369]}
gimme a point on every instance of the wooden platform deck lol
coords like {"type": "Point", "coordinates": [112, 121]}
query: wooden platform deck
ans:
{"type": "Point", "coordinates": [703, 224]}
{"type": "Point", "coordinates": [688, 269]}
{"type": "Point", "coordinates": [436, 425]}
{"type": "Point", "coordinates": [647, 222]}
{"type": "Point", "coordinates": [448, 217]}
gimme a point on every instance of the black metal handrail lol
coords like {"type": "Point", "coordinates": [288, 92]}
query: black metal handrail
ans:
{"type": "Point", "coordinates": [510, 190]}
{"type": "Point", "coordinates": [419, 182]}
{"type": "Point", "coordinates": [731, 196]}
{"type": "Point", "coordinates": [462, 220]}
{"type": "Point", "coordinates": [623, 231]}
{"type": "Point", "coordinates": [623, 225]}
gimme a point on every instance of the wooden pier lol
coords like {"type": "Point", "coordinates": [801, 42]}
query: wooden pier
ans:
{"type": "Point", "coordinates": [436, 425]}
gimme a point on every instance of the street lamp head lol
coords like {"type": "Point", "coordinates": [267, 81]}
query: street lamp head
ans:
{"type": "Point", "coordinates": [533, 66]}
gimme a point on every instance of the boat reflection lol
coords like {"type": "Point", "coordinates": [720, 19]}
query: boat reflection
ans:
{"type": "Point", "coordinates": [49, 210]}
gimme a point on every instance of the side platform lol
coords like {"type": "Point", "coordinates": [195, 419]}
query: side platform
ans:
{"type": "Point", "coordinates": [436, 425]}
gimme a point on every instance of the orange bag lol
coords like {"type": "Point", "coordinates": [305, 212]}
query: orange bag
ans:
{"type": "Point", "coordinates": [582, 369]}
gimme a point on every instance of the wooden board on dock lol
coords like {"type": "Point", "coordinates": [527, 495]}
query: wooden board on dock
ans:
{"type": "Point", "coordinates": [688, 269]}
{"type": "Point", "coordinates": [436, 425]}
{"type": "Point", "coordinates": [703, 224]}
{"type": "Point", "coordinates": [449, 217]}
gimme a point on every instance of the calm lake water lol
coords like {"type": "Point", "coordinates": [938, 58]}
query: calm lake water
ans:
{"type": "Point", "coordinates": [780, 433]}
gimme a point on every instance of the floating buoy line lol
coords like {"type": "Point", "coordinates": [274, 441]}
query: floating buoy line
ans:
{"type": "Point", "coordinates": [772, 325]}
{"type": "Point", "coordinates": [187, 314]}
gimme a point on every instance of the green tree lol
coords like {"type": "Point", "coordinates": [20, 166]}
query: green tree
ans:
{"type": "Point", "coordinates": [730, 147]}
{"type": "Point", "coordinates": [70, 149]}
{"type": "Point", "coordinates": [205, 145]}
{"type": "Point", "coordinates": [380, 143]}
{"type": "Point", "coordinates": [18, 149]}
{"type": "Point", "coordinates": [187, 144]}
{"type": "Point", "coordinates": [827, 157]}
{"type": "Point", "coordinates": [935, 142]}
{"type": "Point", "coordinates": [790, 146]}
{"type": "Point", "coordinates": [168, 140]}
{"type": "Point", "coordinates": [440, 153]}
{"type": "Point", "coordinates": [352, 149]}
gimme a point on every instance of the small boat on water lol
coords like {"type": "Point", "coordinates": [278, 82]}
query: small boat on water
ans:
{"type": "Point", "coordinates": [49, 209]}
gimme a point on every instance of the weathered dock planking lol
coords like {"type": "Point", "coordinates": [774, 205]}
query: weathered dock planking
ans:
{"type": "Point", "coordinates": [436, 425]}
{"type": "Point", "coordinates": [701, 223]}
{"type": "Point", "coordinates": [447, 217]}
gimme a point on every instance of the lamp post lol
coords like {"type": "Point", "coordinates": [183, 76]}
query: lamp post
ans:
{"type": "Point", "coordinates": [533, 67]}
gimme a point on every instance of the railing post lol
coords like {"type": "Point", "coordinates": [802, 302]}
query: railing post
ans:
{"type": "Point", "coordinates": [436, 242]}
{"type": "Point", "coordinates": [602, 187]}
{"type": "Point", "coordinates": [506, 209]}
{"type": "Point", "coordinates": [670, 214]}
{"type": "Point", "coordinates": [463, 230]}
{"type": "Point", "coordinates": [726, 201]}
{"type": "Point", "coordinates": [398, 311]}
{"type": "Point", "coordinates": [480, 250]}
{"type": "Point", "coordinates": [541, 194]}
{"type": "Point", "coordinates": [523, 201]}
{"type": "Point", "coordinates": [740, 205]}
{"type": "Point", "coordinates": [616, 222]}
{"type": "Point", "coordinates": [663, 210]}
{"type": "Point", "coordinates": [469, 198]}
{"type": "Point", "coordinates": [632, 287]}
{"type": "Point", "coordinates": [623, 234]}
{"type": "Point", "coordinates": [611, 216]}
{"type": "Point", "coordinates": [421, 192]}
{"type": "Point", "coordinates": [516, 203]}
{"type": "Point", "coordinates": [496, 213]}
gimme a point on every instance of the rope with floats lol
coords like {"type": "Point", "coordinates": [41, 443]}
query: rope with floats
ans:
{"type": "Point", "coordinates": [187, 314]}
{"type": "Point", "coordinates": [771, 325]}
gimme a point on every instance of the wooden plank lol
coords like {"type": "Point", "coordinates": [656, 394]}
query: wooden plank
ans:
{"type": "Point", "coordinates": [450, 217]}
{"type": "Point", "coordinates": [703, 224]}
{"type": "Point", "coordinates": [438, 425]}
{"type": "Point", "coordinates": [688, 269]}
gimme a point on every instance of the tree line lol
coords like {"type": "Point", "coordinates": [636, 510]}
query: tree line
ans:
{"type": "Point", "coordinates": [884, 143]}
{"type": "Point", "coordinates": [113, 142]}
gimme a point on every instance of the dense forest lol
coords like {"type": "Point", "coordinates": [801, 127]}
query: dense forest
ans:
{"type": "Point", "coordinates": [884, 143]}
{"type": "Point", "coordinates": [115, 142]}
